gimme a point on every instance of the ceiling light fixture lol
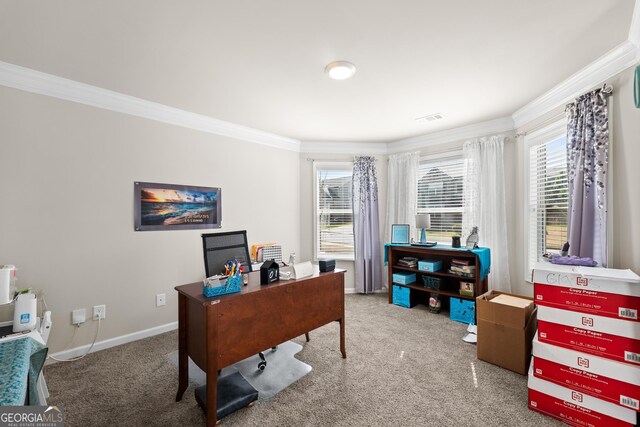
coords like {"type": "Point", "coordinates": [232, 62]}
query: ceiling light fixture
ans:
{"type": "Point", "coordinates": [340, 70]}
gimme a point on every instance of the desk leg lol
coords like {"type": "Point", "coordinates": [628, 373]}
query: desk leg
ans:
{"type": "Point", "coordinates": [306, 335]}
{"type": "Point", "coordinates": [343, 349]}
{"type": "Point", "coordinates": [212, 363]}
{"type": "Point", "coordinates": [183, 360]}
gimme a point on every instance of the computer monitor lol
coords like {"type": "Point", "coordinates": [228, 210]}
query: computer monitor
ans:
{"type": "Point", "coordinates": [221, 247]}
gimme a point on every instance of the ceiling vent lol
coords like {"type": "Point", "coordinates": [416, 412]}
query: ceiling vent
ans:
{"type": "Point", "coordinates": [430, 118]}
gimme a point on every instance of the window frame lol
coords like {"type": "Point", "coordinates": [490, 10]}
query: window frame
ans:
{"type": "Point", "coordinates": [553, 131]}
{"type": "Point", "coordinates": [317, 167]}
{"type": "Point", "coordinates": [447, 155]}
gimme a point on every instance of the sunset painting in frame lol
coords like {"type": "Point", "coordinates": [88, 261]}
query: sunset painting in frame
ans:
{"type": "Point", "coordinates": [176, 207]}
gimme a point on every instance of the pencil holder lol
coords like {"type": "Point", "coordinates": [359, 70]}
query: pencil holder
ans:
{"type": "Point", "coordinates": [231, 285]}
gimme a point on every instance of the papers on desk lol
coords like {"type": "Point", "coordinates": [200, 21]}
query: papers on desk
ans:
{"type": "Point", "coordinates": [296, 271]}
{"type": "Point", "coordinates": [285, 274]}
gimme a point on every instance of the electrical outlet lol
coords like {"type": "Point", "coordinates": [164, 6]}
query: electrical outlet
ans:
{"type": "Point", "coordinates": [99, 312]}
{"type": "Point", "coordinates": [161, 300]}
{"type": "Point", "coordinates": [78, 316]}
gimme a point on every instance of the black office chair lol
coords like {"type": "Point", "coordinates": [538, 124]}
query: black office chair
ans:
{"type": "Point", "coordinates": [219, 248]}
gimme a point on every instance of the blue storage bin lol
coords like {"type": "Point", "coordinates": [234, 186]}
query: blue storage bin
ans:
{"type": "Point", "coordinates": [231, 285]}
{"type": "Point", "coordinates": [403, 296]}
{"type": "Point", "coordinates": [462, 310]}
{"type": "Point", "coordinates": [404, 278]}
{"type": "Point", "coordinates": [430, 265]}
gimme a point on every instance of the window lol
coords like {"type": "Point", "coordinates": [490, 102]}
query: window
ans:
{"type": "Point", "coordinates": [546, 193]}
{"type": "Point", "coordinates": [333, 210]}
{"type": "Point", "coordinates": [440, 185]}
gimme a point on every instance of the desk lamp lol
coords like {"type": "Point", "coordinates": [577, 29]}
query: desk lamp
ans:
{"type": "Point", "coordinates": [423, 221]}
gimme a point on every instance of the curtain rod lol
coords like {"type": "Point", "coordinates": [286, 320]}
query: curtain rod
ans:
{"type": "Point", "coordinates": [606, 89]}
{"type": "Point", "coordinates": [552, 119]}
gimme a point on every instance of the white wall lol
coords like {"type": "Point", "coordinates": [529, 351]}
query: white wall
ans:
{"type": "Point", "coordinates": [66, 215]}
{"type": "Point", "coordinates": [625, 172]}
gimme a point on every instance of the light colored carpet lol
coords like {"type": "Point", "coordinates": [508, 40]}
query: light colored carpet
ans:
{"type": "Point", "coordinates": [282, 370]}
{"type": "Point", "coordinates": [404, 367]}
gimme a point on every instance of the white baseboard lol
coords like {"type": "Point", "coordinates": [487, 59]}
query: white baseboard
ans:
{"type": "Point", "coordinates": [113, 342]}
{"type": "Point", "coordinates": [353, 291]}
{"type": "Point", "coordinates": [134, 336]}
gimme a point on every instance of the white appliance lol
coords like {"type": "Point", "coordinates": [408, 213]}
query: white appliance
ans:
{"type": "Point", "coordinates": [7, 278]}
{"type": "Point", "coordinates": [24, 315]}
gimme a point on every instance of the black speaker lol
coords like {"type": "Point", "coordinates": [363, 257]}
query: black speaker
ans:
{"type": "Point", "coordinates": [327, 265]}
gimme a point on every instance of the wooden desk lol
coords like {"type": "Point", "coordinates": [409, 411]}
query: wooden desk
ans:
{"type": "Point", "coordinates": [220, 331]}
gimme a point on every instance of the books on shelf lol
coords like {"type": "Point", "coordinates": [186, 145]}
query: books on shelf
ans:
{"type": "Point", "coordinates": [471, 269]}
{"type": "Point", "coordinates": [410, 262]}
{"type": "Point", "coordinates": [466, 267]}
{"type": "Point", "coordinates": [463, 274]}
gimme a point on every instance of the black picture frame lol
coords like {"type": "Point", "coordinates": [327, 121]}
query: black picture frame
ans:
{"type": "Point", "coordinates": [400, 233]}
{"type": "Point", "coordinates": [176, 207]}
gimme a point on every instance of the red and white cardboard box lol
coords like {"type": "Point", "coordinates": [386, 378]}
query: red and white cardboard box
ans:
{"type": "Point", "coordinates": [599, 377]}
{"type": "Point", "coordinates": [575, 408]}
{"type": "Point", "coordinates": [602, 336]}
{"type": "Point", "coordinates": [602, 291]}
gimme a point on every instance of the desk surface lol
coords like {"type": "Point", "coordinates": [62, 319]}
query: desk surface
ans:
{"type": "Point", "coordinates": [193, 291]}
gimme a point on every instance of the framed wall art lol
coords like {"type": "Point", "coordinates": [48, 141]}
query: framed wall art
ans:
{"type": "Point", "coordinates": [400, 233]}
{"type": "Point", "coordinates": [176, 207]}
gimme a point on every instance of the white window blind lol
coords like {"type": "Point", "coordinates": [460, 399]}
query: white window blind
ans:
{"type": "Point", "coordinates": [440, 186]}
{"type": "Point", "coordinates": [548, 198]}
{"type": "Point", "coordinates": [334, 214]}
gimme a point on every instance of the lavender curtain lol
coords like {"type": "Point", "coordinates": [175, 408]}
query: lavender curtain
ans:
{"type": "Point", "coordinates": [587, 162]}
{"type": "Point", "coordinates": [366, 226]}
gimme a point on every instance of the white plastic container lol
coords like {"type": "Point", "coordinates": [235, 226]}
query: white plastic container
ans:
{"type": "Point", "coordinates": [5, 285]}
{"type": "Point", "coordinates": [24, 315]}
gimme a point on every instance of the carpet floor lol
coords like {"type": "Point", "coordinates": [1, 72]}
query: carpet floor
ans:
{"type": "Point", "coordinates": [404, 367]}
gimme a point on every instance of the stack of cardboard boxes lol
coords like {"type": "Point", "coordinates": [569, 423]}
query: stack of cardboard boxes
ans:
{"type": "Point", "coordinates": [586, 354]}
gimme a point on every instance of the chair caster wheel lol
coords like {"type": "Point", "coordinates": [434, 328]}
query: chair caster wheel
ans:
{"type": "Point", "coordinates": [262, 365]}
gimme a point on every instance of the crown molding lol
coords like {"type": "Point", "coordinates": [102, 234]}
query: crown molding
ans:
{"type": "Point", "coordinates": [30, 80]}
{"type": "Point", "coordinates": [503, 124]}
{"type": "Point", "coordinates": [344, 147]}
{"type": "Point", "coordinates": [613, 62]}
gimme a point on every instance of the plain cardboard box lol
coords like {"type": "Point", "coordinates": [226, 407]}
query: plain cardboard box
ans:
{"type": "Point", "coordinates": [505, 330]}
